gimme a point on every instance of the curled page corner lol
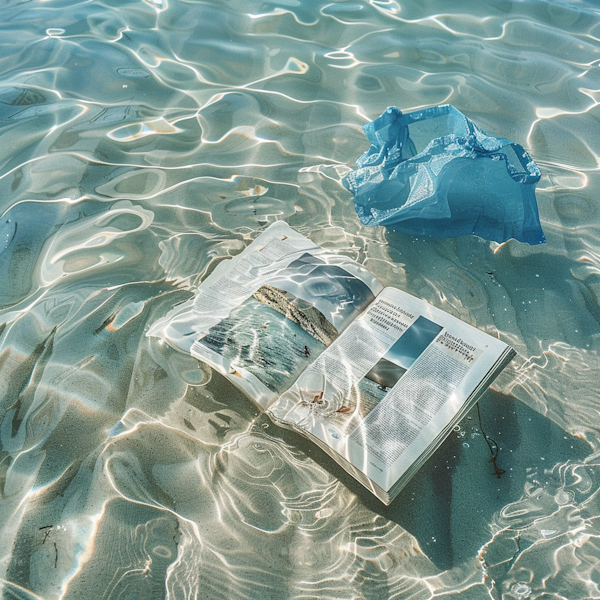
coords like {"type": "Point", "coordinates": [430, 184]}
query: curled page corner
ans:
{"type": "Point", "coordinates": [434, 172]}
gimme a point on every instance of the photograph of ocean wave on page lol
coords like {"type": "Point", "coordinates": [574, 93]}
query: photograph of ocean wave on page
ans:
{"type": "Point", "coordinates": [331, 289]}
{"type": "Point", "coordinates": [144, 143]}
{"type": "Point", "coordinates": [287, 322]}
{"type": "Point", "coordinates": [264, 342]}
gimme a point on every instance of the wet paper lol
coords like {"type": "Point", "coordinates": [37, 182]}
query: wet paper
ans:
{"type": "Point", "coordinates": [433, 172]}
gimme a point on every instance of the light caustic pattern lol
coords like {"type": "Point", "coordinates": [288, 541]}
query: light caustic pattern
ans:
{"type": "Point", "coordinates": [144, 141]}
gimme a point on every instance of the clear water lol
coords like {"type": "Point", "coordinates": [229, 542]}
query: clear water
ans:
{"type": "Point", "coordinates": [144, 141]}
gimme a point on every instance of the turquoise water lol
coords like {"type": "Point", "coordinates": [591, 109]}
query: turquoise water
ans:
{"type": "Point", "coordinates": [142, 142]}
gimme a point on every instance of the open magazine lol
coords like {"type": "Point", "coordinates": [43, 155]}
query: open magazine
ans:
{"type": "Point", "coordinates": [375, 376]}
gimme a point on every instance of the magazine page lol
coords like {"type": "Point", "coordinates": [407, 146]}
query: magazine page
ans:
{"type": "Point", "coordinates": [262, 317]}
{"type": "Point", "coordinates": [388, 388]}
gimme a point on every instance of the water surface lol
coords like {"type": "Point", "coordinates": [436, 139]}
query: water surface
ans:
{"type": "Point", "coordinates": [143, 142]}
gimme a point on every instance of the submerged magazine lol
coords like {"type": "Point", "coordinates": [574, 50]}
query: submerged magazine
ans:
{"type": "Point", "coordinates": [375, 376]}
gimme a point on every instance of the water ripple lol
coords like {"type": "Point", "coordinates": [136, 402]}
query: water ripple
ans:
{"type": "Point", "coordinates": [145, 141]}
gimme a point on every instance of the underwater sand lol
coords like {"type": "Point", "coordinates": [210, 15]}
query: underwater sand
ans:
{"type": "Point", "coordinates": [144, 141]}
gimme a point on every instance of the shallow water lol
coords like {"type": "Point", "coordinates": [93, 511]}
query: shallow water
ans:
{"type": "Point", "coordinates": [143, 142]}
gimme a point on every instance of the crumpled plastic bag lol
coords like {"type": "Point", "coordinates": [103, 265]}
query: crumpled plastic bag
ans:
{"type": "Point", "coordinates": [433, 172]}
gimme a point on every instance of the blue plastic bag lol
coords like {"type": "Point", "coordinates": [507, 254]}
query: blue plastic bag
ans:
{"type": "Point", "coordinates": [433, 172]}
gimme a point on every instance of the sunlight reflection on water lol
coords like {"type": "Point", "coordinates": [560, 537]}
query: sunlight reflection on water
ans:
{"type": "Point", "coordinates": [143, 143]}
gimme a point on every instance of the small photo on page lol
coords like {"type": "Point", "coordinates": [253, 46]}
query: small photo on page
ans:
{"type": "Point", "coordinates": [399, 358]}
